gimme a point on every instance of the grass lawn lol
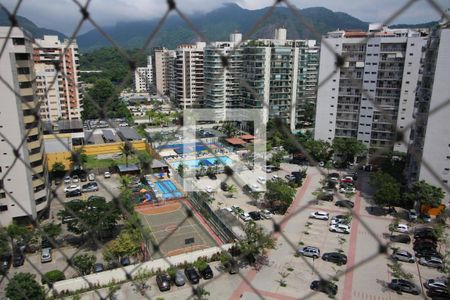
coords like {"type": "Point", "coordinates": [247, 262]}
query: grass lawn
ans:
{"type": "Point", "coordinates": [94, 163]}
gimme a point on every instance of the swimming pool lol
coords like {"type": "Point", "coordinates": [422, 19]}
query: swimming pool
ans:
{"type": "Point", "coordinates": [208, 162]}
{"type": "Point", "coordinates": [168, 189]}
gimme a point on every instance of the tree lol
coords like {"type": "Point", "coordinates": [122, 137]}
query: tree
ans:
{"type": "Point", "coordinates": [51, 230]}
{"type": "Point", "coordinates": [24, 286]}
{"type": "Point", "coordinates": [53, 276]}
{"type": "Point", "coordinates": [145, 162]}
{"type": "Point", "coordinates": [202, 165]}
{"type": "Point", "coordinates": [127, 150]}
{"type": "Point", "coordinates": [16, 232]}
{"type": "Point", "coordinates": [277, 158]}
{"type": "Point", "coordinates": [140, 280]}
{"type": "Point", "coordinates": [84, 263]}
{"type": "Point", "coordinates": [387, 189]}
{"type": "Point", "coordinates": [180, 170]}
{"type": "Point", "coordinates": [398, 272]}
{"type": "Point", "coordinates": [256, 241]}
{"type": "Point", "coordinates": [279, 194]}
{"type": "Point", "coordinates": [58, 170]}
{"type": "Point", "coordinates": [4, 242]}
{"type": "Point", "coordinates": [128, 243]}
{"type": "Point", "coordinates": [319, 150]}
{"type": "Point", "coordinates": [78, 158]}
{"type": "Point", "coordinates": [229, 129]}
{"type": "Point", "coordinates": [425, 194]}
{"type": "Point", "coordinates": [348, 148]}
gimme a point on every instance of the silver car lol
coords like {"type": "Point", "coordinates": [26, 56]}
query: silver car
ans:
{"type": "Point", "coordinates": [46, 255]}
{"type": "Point", "coordinates": [313, 252]}
{"type": "Point", "coordinates": [433, 262]}
{"type": "Point", "coordinates": [403, 255]}
{"type": "Point", "coordinates": [179, 278]}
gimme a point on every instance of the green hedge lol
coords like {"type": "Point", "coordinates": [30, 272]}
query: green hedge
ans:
{"type": "Point", "coordinates": [53, 276]}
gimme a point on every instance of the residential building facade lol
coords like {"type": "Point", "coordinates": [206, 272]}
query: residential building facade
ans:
{"type": "Point", "coordinates": [23, 188]}
{"type": "Point", "coordinates": [188, 79]}
{"type": "Point", "coordinates": [163, 60]}
{"type": "Point", "coordinates": [57, 77]}
{"type": "Point", "coordinates": [143, 77]}
{"type": "Point", "coordinates": [222, 87]}
{"type": "Point", "coordinates": [277, 70]}
{"type": "Point", "coordinates": [381, 65]}
{"type": "Point", "coordinates": [429, 151]}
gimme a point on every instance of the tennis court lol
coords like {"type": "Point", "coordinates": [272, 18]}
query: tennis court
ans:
{"type": "Point", "coordinates": [173, 231]}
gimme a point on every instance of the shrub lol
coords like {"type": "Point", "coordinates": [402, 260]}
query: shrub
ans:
{"type": "Point", "coordinates": [53, 276]}
{"type": "Point", "coordinates": [200, 264]}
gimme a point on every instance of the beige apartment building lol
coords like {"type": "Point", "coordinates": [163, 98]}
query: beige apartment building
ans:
{"type": "Point", "coordinates": [23, 188]}
{"type": "Point", "coordinates": [162, 70]}
{"type": "Point", "coordinates": [58, 91]}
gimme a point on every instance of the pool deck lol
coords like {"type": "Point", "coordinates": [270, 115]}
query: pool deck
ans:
{"type": "Point", "coordinates": [154, 178]}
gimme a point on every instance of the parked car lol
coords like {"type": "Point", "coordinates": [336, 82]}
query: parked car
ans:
{"type": "Point", "coordinates": [428, 252]}
{"type": "Point", "coordinates": [99, 267]}
{"type": "Point", "coordinates": [340, 219]}
{"type": "Point", "coordinates": [309, 251]}
{"type": "Point", "coordinates": [91, 177]}
{"type": "Point", "coordinates": [430, 261]}
{"type": "Point", "coordinates": [261, 180]}
{"type": "Point", "coordinates": [340, 228]}
{"type": "Point", "coordinates": [46, 255]}
{"type": "Point", "coordinates": [89, 187]}
{"type": "Point", "coordinates": [425, 218]}
{"type": "Point", "coordinates": [212, 176]}
{"type": "Point", "coordinates": [403, 228]}
{"type": "Point", "coordinates": [163, 282]}
{"type": "Point", "coordinates": [324, 286]}
{"type": "Point", "coordinates": [255, 215]}
{"type": "Point", "coordinates": [207, 273]}
{"type": "Point", "coordinates": [74, 193]}
{"type": "Point", "coordinates": [426, 233]}
{"type": "Point", "coordinates": [438, 293]}
{"type": "Point", "coordinates": [267, 169]}
{"type": "Point", "coordinates": [18, 259]}
{"type": "Point", "coordinates": [107, 175]}
{"type": "Point", "coordinates": [233, 267]}
{"type": "Point", "coordinates": [75, 179]}
{"type": "Point", "coordinates": [67, 180]}
{"type": "Point", "coordinates": [290, 177]}
{"type": "Point", "coordinates": [83, 177]}
{"type": "Point", "coordinates": [333, 176]}
{"type": "Point", "coordinates": [430, 242]}
{"type": "Point", "coordinates": [347, 189]}
{"type": "Point", "coordinates": [403, 255]}
{"type": "Point", "coordinates": [245, 217]}
{"type": "Point", "coordinates": [266, 214]}
{"type": "Point", "coordinates": [401, 285]}
{"type": "Point", "coordinates": [401, 238]}
{"type": "Point", "coordinates": [424, 245]}
{"type": "Point", "coordinates": [335, 257]}
{"type": "Point", "coordinates": [71, 188]}
{"type": "Point", "coordinates": [224, 186]}
{"type": "Point", "coordinates": [5, 263]}
{"type": "Point", "coordinates": [345, 203]}
{"type": "Point", "coordinates": [192, 275]}
{"type": "Point", "coordinates": [326, 196]}
{"type": "Point", "coordinates": [125, 261]}
{"type": "Point", "coordinates": [320, 215]}
{"type": "Point", "coordinates": [436, 283]}
{"type": "Point", "coordinates": [412, 215]}
{"type": "Point", "coordinates": [179, 278]}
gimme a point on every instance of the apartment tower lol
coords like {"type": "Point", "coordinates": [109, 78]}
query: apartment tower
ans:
{"type": "Point", "coordinates": [282, 75]}
{"type": "Point", "coordinates": [57, 77]}
{"type": "Point", "coordinates": [163, 60]}
{"type": "Point", "coordinates": [429, 151]}
{"type": "Point", "coordinates": [188, 78]}
{"type": "Point", "coordinates": [23, 187]}
{"type": "Point", "coordinates": [381, 65]}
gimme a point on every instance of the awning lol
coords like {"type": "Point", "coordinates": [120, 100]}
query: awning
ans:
{"type": "Point", "coordinates": [235, 141]}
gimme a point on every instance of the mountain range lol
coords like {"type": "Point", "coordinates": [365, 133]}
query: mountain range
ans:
{"type": "Point", "coordinates": [214, 25]}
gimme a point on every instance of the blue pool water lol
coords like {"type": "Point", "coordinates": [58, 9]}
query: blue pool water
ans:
{"type": "Point", "coordinates": [208, 162]}
{"type": "Point", "coordinates": [168, 189]}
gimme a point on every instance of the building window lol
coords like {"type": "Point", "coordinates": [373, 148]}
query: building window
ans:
{"type": "Point", "coordinates": [22, 56]}
{"type": "Point", "coordinates": [18, 41]}
{"type": "Point", "coordinates": [3, 207]}
{"type": "Point", "coordinates": [23, 71]}
{"type": "Point", "coordinates": [25, 85]}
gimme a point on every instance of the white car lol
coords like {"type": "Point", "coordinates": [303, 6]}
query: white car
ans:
{"type": "Point", "coordinates": [403, 255]}
{"type": "Point", "coordinates": [71, 188]}
{"type": "Point", "coordinates": [245, 217]}
{"type": "Point", "coordinates": [340, 228]}
{"type": "Point", "coordinates": [75, 179]}
{"type": "Point", "coordinates": [67, 180]}
{"type": "Point", "coordinates": [268, 169]}
{"type": "Point", "coordinates": [266, 214]}
{"type": "Point", "coordinates": [320, 215]}
{"type": "Point", "coordinates": [275, 177]}
{"type": "Point", "coordinates": [347, 190]}
{"type": "Point", "coordinates": [403, 228]}
{"type": "Point", "coordinates": [91, 177]}
{"type": "Point", "coordinates": [107, 175]}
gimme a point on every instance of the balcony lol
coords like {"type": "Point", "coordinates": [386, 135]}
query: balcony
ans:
{"type": "Point", "coordinates": [34, 145]}
{"type": "Point", "coordinates": [26, 92]}
{"type": "Point", "coordinates": [28, 119]}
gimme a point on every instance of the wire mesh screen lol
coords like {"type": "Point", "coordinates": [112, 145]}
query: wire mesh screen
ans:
{"type": "Point", "coordinates": [120, 215]}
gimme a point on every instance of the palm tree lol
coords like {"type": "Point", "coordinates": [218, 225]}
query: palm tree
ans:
{"type": "Point", "coordinates": [229, 129]}
{"type": "Point", "coordinates": [145, 162]}
{"type": "Point", "coordinates": [216, 165]}
{"type": "Point", "coordinates": [202, 164]}
{"type": "Point", "coordinates": [127, 150]}
{"type": "Point", "coordinates": [124, 182]}
{"type": "Point", "coordinates": [78, 158]}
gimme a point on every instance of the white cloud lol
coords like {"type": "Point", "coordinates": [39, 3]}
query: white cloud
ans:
{"type": "Point", "coordinates": [64, 15]}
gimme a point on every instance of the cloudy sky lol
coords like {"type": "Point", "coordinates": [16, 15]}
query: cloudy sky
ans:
{"type": "Point", "coordinates": [63, 15]}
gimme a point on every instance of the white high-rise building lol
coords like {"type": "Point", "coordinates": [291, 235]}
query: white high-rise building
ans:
{"type": "Point", "coordinates": [429, 149]}
{"type": "Point", "coordinates": [23, 187]}
{"type": "Point", "coordinates": [222, 88]}
{"type": "Point", "coordinates": [383, 63]}
{"type": "Point", "coordinates": [143, 78]}
{"type": "Point", "coordinates": [57, 90]}
{"type": "Point", "coordinates": [187, 87]}
{"type": "Point", "coordinates": [282, 75]}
